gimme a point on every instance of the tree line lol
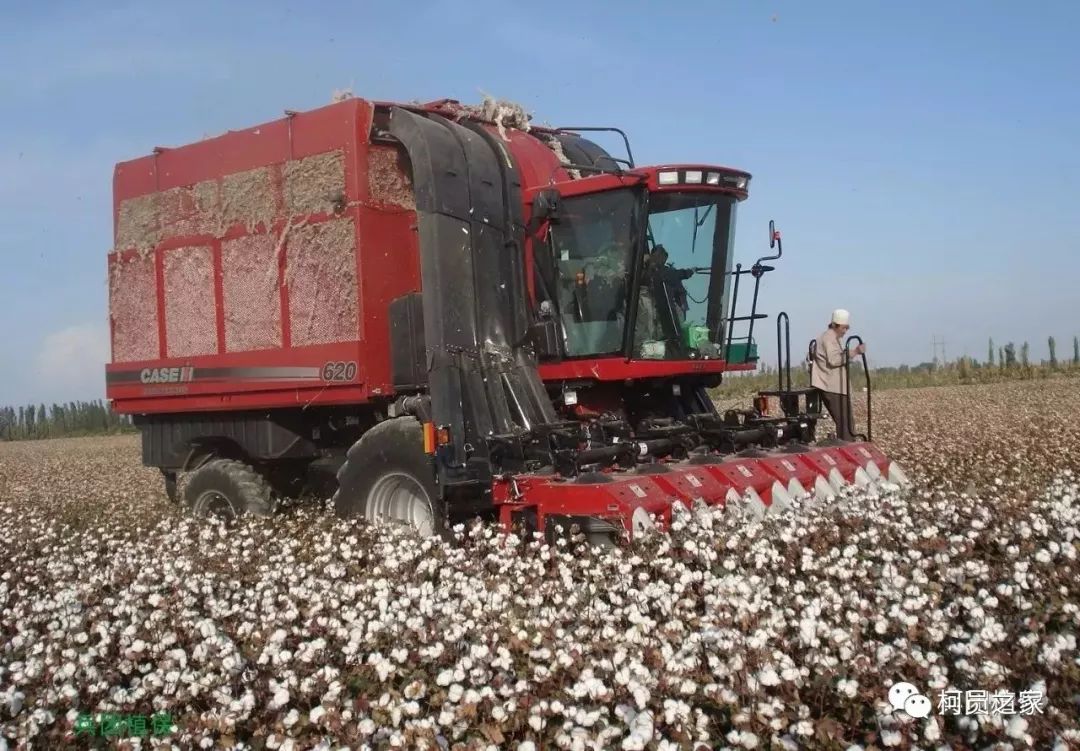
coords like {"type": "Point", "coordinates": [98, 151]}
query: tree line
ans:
{"type": "Point", "coordinates": [60, 420]}
{"type": "Point", "coordinates": [1006, 356]}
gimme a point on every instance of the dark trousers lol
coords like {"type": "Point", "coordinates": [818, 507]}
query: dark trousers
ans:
{"type": "Point", "coordinates": [837, 406]}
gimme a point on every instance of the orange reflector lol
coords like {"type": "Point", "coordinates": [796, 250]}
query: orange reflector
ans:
{"type": "Point", "coordinates": [429, 438]}
{"type": "Point", "coordinates": [443, 436]}
{"type": "Point", "coordinates": [761, 405]}
{"type": "Point", "coordinates": [581, 278]}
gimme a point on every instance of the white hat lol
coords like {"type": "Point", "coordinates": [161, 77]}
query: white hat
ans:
{"type": "Point", "coordinates": [840, 317]}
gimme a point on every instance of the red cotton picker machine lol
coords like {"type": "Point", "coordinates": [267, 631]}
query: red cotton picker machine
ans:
{"type": "Point", "coordinates": [438, 312]}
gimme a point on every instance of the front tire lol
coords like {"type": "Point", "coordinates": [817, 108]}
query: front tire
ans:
{"type": "Point", "coordinates": [227, 488]}
{"type": "Point", "coordinates": [388, 477]}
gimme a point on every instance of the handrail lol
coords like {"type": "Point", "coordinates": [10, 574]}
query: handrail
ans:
{"type": "Point", "coordinates": [758, 270]}
{"type": "Point", "coordinates": [784, 363]}
{"type": "Point", "coordinates": [846, 402]}
{"type": "Point", "coordinates": [731, 320]}
{"type": "Point", "coordinates": [593, 128]}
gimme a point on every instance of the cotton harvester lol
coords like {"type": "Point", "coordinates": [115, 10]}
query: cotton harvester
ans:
{"type": "Point", "coordinates": [447, 313]}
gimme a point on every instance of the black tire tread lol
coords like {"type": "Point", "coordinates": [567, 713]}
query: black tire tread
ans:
{"type": "Point", "coordinates": [252, 491]}
{"type": "Point", "coordinates": [382, 442]}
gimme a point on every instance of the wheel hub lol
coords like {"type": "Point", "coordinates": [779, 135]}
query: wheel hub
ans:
{"type": "Point", "coordinates": [400, 498]}
{"type": "Point", "coordinates": [214, 503]}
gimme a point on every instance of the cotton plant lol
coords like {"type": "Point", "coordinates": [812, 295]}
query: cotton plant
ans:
{"type": "Point", "coordinates": [307, 631]}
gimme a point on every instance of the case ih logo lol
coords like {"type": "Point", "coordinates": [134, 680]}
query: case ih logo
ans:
{"type": "Point", "coordinates": [167, 375]}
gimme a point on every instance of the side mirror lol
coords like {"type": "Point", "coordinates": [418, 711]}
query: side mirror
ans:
{"type": "Point", "coordinates": [545, 205]}
{"type": "Point", "coordinates": [774, 243]}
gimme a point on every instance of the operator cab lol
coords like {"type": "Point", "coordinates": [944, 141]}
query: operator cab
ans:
{"type": "Point", "coordinates": [637, 266]}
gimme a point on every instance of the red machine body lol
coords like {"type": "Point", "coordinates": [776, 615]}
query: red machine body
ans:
{"type": "Point", "coordinates": [216, 302]}
{"type": "Point", "coordinates": [219, 297]}
{"type": "Point", "coordinates": [259, 297]}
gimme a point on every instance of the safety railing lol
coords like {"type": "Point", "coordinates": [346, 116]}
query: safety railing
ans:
{"type": "Point", "coordinates": [845, 403]}
{"type": "Point", "coordinates": [758, 270]}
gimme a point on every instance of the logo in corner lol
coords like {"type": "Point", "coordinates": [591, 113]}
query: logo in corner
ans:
{"type": "Point", "coordinates": [905, 697]}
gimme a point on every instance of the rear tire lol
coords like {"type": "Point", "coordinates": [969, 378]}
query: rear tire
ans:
{"type": "Point", "coordinates": [388, 477]}
{"type": "Point", "coordinates": [227, 488]}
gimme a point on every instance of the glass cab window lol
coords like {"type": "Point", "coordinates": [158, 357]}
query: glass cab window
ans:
{"type": "Point", "coordinates": [685, 275]}
{"type": "Point", "coordinates": [593, 249]}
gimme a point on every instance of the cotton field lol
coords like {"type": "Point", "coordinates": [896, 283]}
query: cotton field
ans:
{"type": "Point", "coordinates": [305, 631]}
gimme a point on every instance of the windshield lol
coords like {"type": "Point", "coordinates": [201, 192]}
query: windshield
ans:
{"type": "Point", "coordinates": [593, 248]}
{"type": "Point", "coordinates": [685, 279]}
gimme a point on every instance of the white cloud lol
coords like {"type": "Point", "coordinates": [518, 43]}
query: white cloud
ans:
{"type": "Point", "coordinates": [71, 362]}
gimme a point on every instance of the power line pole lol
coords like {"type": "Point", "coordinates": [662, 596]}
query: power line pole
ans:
{"type": "Point", "coordinates": [936, 342]}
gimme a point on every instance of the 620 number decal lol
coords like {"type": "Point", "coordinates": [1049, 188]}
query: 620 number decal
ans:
{"type": "Point", "coordinates": [339, 371]}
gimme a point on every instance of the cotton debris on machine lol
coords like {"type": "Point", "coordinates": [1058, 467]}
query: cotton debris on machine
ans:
{"type": "Point", "coordinates": [440, 311]}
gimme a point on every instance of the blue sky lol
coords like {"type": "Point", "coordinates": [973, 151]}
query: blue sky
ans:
{"type": "Point", "coordinates": [921, 158]}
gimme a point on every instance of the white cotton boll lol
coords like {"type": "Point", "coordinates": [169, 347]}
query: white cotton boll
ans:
{"type": "Point", "coordinates": [316, 714]}
{"type": "Point", "coordinates": [456, 692]}
{"type": "Point", "coordinates": [280, 699]}
{"type": "Point", "coordinates": [1017, 727]}
{"type": "Point", "coordinates": [768, 677]}
{"type": "Point", "coordinates": [526, 746]}
{"type": "Point", "coordinates": [291, 718]}
{"type": "Point", "coordinates": [414, 690]}
{"type": "Point", "coordinates": [891, 737]}
{"type": "Point", "coordinates": [445, 678]}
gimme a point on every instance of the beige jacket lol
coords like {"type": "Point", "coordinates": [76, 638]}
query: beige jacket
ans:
{"type": "Point", "coordinates": [828, 364]}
